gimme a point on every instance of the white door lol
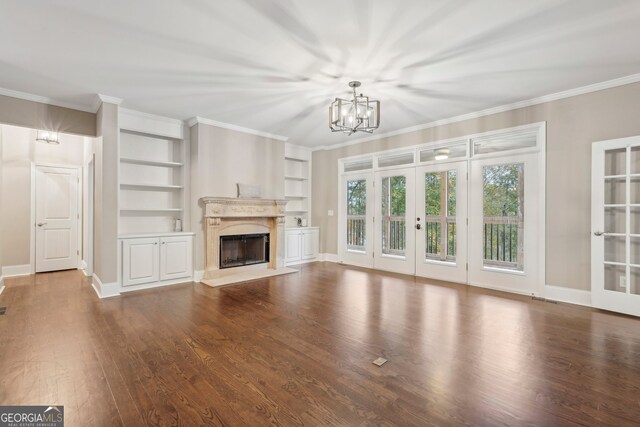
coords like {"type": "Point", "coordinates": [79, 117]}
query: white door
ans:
{"type": "Point", "coordinates": [615, 221]}
{"type": "Point", "coordinates": [57, 222]}
{"type": "Point", "coordinates": [175, 257]}
{"type": "Point", "coordinates": [356, 220]}
{"type": "Point", "coordinates": [504, 220]}
{"type": "Point", "coordinates": [441, 215]}
{"type": "Point", "coordinates": [140, 259]}
{"type": "Point", "coordinates": [394, 221]}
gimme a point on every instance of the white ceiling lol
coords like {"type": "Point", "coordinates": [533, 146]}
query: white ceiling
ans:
{"type": "Point", "coordinates": [275, 65]}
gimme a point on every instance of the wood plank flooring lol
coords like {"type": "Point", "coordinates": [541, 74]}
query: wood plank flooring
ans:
{"type": "Point", "coordinates": [297, 350]}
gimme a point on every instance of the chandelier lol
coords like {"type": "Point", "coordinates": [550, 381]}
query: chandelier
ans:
{"type": "Point", "coordinates": [48, 137]}
{"type": "Point", "coordinates": [358, 114]}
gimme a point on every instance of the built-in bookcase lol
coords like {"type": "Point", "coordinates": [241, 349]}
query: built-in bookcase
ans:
{"type": "Point", "coordinates": [152, 183]}
{"type": "Point", "coordinates": [297, 183]}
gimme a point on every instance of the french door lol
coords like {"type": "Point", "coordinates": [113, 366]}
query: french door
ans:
{"type": "Point", "coordinates": [394, 221]}
{"type": "Point", "coordinates": [504, 220]}
{"type": "Point", "coordinates": [615, 218]}
{"type": "Point", "coordinates": [441, 215]}
{"type": "Point", "coordinates": [356, 227]}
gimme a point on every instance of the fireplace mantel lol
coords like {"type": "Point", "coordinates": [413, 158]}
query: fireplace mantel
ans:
{"type": "Point", "coordinates": [225, 207]}
{"type": "Point", "coordinates": [225, 216]}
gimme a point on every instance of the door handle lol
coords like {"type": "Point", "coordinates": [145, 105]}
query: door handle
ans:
{"type": "Point", "coordinates": [418, 226]}
{"type": "Point", "coordinates": [599, 233]}
{"type": "Point", "coordinates": [40, 224]}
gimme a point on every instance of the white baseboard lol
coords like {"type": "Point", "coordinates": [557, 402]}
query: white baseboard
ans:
{"type": "Point", "coordinates": [105, 290]}
{"type": "Point", "coordinates": [1, 284]}
{"type": "Point", "coordinates": [198, 275]}
{"type": "Point", "coordinates": [571, 296]}
{"type": "Point", "coordinates": [328, 257]}
{"type": "Point", "coordinates": [16, 270]}
{"type": "Point", "coordinates": [151, 285]}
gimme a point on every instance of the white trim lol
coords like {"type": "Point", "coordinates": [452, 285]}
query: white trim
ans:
{"type": "Point", "coordinates": [105, 290]}
{"type": "Point", "coordinates": [201, 120]}
{"type": "Point", "coordinates": [327, 257]}
{"type": "Point", "coordinates": [16, 270]}
{"type": "Point", "coordinates": [568, 295]}
{"type": "Point", "coordinates": [100, 99]}
{"type": "Point", "coordinates": [500, 288]}
{"type": "Point", "coordinates": [44, 100]}
{"type": "Point", "coordinates": [152, 124]}
{"type": "Point", "coordinates": [180, 281]}
{"type": "Point", "coordinates": [1, 285]}
{"type": "Point", "coordinates": [634, 78]}
{"type": "Point", "coordinates": [198, 275]}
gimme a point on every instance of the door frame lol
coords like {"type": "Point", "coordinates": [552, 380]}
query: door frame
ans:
{"type": "Point", "coordinates": [540, 127]}
{"type": "Point", "coordinates": [32, 222]}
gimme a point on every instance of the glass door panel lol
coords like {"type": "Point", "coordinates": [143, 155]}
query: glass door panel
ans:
{"type": "Point", "coordinates": [441, 203]}
{"type": "Point", "coordinates": [394, 245]}
{"type": "Point", "coordinates": [504, 220]}
{"type": "Point", "coordinates": [615, 241]}
{"type": "Point", "coordinates": [355, 242]}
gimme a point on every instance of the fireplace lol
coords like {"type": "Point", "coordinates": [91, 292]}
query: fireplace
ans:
{"type": "Point", "coordinates": [246, 234]}
{"type": "Point", "coordinates": [244, 249]}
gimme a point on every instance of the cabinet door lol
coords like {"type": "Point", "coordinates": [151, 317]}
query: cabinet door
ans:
{"type": "Point", "coordinates": [310, 244]}
{"type": "Point", "coordinates": [293, 251]}
{"type": "Point", "coordinates": [176, 257]}
{"type": "Point", "coordinates": [139, 261]}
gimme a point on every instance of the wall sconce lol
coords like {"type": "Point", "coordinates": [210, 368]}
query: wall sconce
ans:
{"type": "Point", "coordinates": [48, 137]}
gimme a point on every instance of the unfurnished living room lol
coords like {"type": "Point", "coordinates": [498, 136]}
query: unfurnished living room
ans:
{"type": "Point", "coordinates": [328, 213]}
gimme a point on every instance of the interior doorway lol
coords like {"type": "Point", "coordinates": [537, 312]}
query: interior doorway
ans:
{"type": "Point", "coordinates": [57, 218]}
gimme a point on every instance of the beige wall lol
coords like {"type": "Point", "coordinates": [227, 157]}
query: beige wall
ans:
{"type": "Point", "coordinates": [105, 252]}
{"type": "Point", "coordinates": [573, 124]}
{"type": "Point", "coordinates": [221, 158]}
{"type": "Point", "coordinates": [20, 149]}
{"type": "Point", "coordinates": [14, 111]}
{"type": "Point", "coordinates": [1, 221]}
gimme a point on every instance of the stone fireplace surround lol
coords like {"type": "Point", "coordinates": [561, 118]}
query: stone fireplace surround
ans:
{"type": "Point", "coordinates": [224, 216]}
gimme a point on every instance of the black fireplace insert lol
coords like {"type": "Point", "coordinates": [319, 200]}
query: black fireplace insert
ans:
{"type": "Point", "coordinates": [244, 249]}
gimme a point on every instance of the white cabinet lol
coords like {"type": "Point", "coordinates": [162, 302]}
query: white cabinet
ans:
{"type": "Point", "coordinates": [140, 259]}
{"type": "Point", "coordinates": [301, 245]}
{"type": "Point", "coordinates": [176, 257]}
{"type": "Point", "coordinates": [158, 260]}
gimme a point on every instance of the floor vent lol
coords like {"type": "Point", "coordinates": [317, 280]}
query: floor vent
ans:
{"type": "Point", "coordinates": [3, 310]}
{"type": "Point", "coordinates": [380, 361]}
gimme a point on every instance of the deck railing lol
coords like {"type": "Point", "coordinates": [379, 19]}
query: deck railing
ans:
{"type": "Point", "coordinates": [356, 232]}
{"type": "Point", "coordinates": [503, 241]}
{"type": "Point", "coordinates": [394, 234]}
{"type": "Point", "coordinates": [502, 238]}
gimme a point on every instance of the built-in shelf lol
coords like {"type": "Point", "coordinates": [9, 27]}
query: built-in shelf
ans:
{"type": "Point", "coordinates": [297, 183]}
{"type": "Point", "coordinates": [297, 178]}
{"type": "Point", "coordinates": [150, 162]}
{"type": "Point", "coordinates": [295, 159]}
{"type": "Point", "coordinates": [296, 197]}
{"type": "Point", "coordinates": [150, 187]}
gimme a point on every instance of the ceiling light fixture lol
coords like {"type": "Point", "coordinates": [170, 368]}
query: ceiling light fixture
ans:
{"type": "Point", "coordinates": [354, 115]}
{"type": "Point", "coordinates": [442, 154]}
{"type": "Point", "coordinates": [48, 137]}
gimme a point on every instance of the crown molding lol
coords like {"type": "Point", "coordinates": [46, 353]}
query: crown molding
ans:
{"type": "Point", "coordinates": [100, 98]}
{"type": "Point", "coordinates": [634, 78]}
{"type": "Point", "coordinates": [201, 120]}
{"type": "Point", "coordinates": [143, 115]}
{"type": "Point", "coordinates": [44, 100]}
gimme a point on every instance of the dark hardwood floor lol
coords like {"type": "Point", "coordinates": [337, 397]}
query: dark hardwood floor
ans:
{"type": "Point", "coordinates": [297, 350]}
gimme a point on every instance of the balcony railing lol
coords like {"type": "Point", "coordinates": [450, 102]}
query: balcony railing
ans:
{"type": "Point", "coordinates": [503, 242]}
{"type": "Point", "coordinates": [356, 232]}
{"type": "Point", "coordinates": [502, 238]}
{"type": "Point", "coordinates": [394, 235]}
